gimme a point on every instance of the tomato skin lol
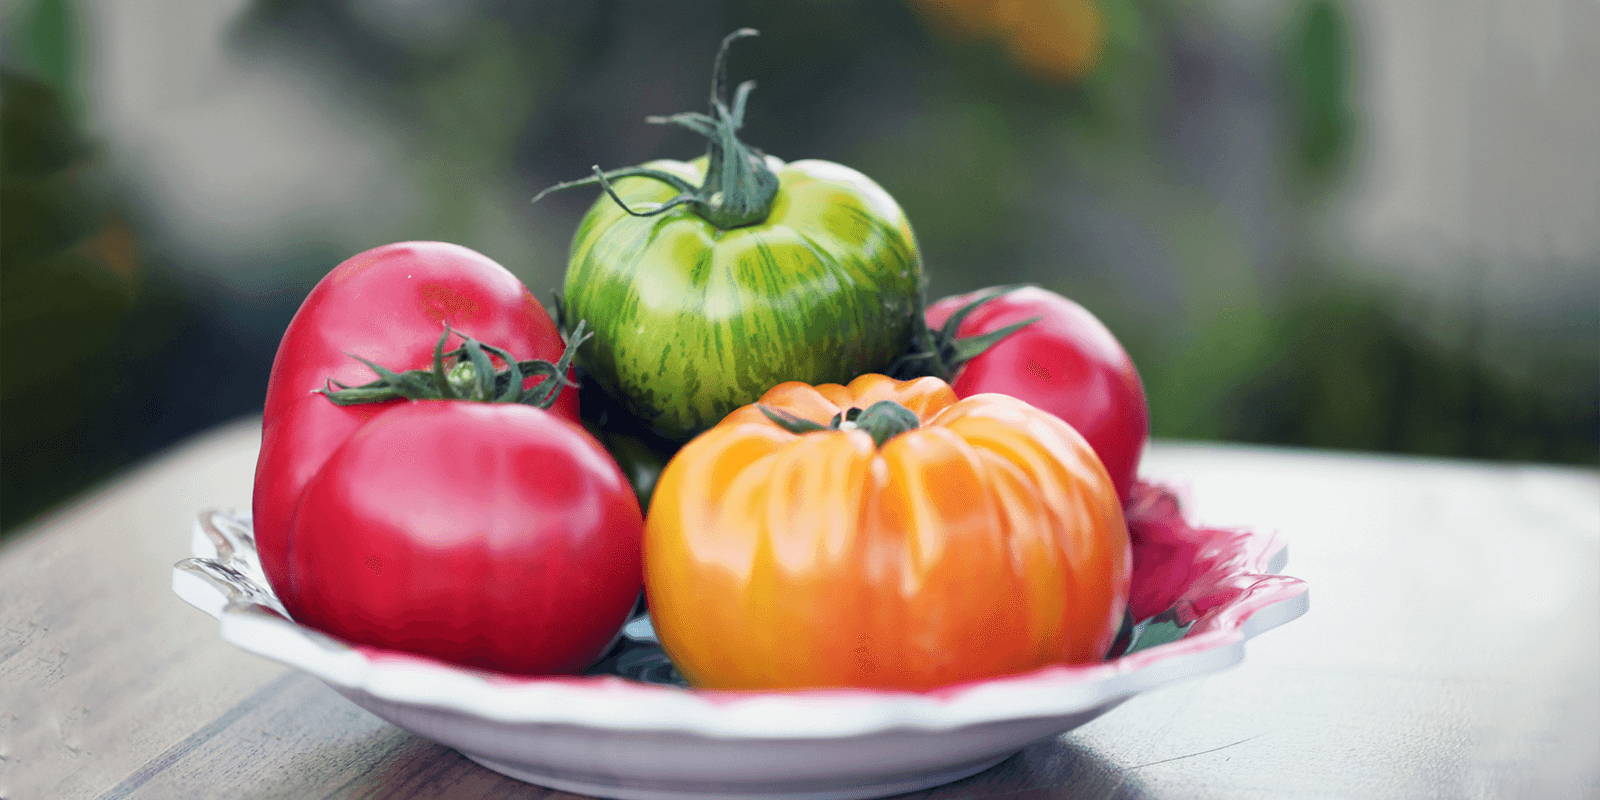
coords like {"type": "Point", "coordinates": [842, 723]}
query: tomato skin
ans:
{"type": "Point", "coordinates": [988, 541]}
{"type": "Point", "coordinates": [493, 535]}
{"type": "Point", "coordinates": [692, 321]}
{"type": "Point", "coordinates": [1067, 363]}
{"type": "Point", "coordinates": [387, 304]}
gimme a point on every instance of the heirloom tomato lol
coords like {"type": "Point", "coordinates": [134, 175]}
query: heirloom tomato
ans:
{"type": "Point", "coordinates": [388, 304]}
{"type": "Point", "coordinates": [709, 281]}
{"type": "Point", "coordinates": [466, 522]}
{"type": "Point", "coordinates": [494, 535]}
{"type": "Point", "coordinates": [1038, 346]}
{"type": "Point", "coordinates": [886, 535]}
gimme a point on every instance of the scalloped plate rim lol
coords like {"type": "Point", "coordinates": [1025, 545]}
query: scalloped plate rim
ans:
{"type": "Point", "coordinates": [615, 703]}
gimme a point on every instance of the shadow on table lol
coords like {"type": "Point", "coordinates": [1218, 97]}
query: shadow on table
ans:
{"type": "Point", "coordinates": [1054, 768]}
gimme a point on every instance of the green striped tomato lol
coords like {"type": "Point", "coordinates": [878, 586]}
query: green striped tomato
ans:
{"type": "Point", "coordinates": [709, 282]}
{"type": "Point", "coordinates": [692, 320]}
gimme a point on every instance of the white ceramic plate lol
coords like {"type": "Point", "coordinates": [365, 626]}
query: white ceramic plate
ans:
{"type": "Point", "coordinates": [643, 736]}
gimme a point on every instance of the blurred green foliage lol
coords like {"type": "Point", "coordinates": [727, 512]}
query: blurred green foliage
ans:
{"type": "Point", "coordinates": [1318, 72]}
{"type": "Point", "coordinates": [67, 284]}
{"type": "Point", "coordinates": [1174, 173]}
{"type": "Point", "coordinates": [48, 42]}
{"type": "Point", "coordinates": [83, 333]}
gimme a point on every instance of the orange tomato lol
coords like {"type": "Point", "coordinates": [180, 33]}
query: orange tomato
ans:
{"type": "Point", "coordinates": [1053, 39]}
{"type": "Point", "coordinates": [983, 538]}
{"type": "Point", "coordinates": [1057, 39]}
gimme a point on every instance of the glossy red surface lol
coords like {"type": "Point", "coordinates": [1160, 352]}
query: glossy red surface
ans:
{"type": "Point", "coordinates": [1066, 363]}
{"type": "Point", "coordinates": [387, 304]}
{"type": "Point", "coordinates": [490, 535]}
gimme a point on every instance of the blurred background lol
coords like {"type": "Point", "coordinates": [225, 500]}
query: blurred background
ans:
{"type": "Point", "coordinates": [1361, 225]}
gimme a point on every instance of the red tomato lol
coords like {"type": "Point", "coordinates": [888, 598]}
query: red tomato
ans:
{"type": "Point", "coordinates": [494, 535]}
{"type": "Point", "coordinates": [1066, 363]}
{"type": "Point", "coordinates": [388, 304]}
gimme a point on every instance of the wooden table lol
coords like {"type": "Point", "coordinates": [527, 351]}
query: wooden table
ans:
{"type": "Point", "coordinates": [1452, 650]}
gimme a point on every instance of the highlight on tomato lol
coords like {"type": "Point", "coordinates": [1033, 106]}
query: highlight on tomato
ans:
{"type": "Point", "coordinates": [884, 534]}
{"type": "Point", "coordinates": [1035, 345]}
{"type": "Point", "coordinates": [709, 281]}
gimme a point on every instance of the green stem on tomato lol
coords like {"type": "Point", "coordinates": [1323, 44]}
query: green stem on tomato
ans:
{"type": "Point", "coordinates": [882, 420]}
{"type": "Point", "coordinates": [472, 376]}
{"type": "Point", "coordinates": [941, 353]}
{"type": "Point", "coordinates": [739, 189]}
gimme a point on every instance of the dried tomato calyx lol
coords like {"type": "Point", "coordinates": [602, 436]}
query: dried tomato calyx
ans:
{"type": "Point", "coordinates": [466, 373]}
{"type": "Point", "coordinates": [882, 420]}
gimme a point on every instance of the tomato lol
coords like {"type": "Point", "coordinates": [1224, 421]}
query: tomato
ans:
{"type": "Point", "coordinates": [640, 453]}
{"type": "Point", "coordinates": [388, 304]}
{"type": "Point", "coordinates": [886, 535]}
{"type": "Point", "coordinates": [707, 282]}
{"type": "Point", "coordinates": [1065, 362]}
{"type": "Point", "coordinates": [493, 535]}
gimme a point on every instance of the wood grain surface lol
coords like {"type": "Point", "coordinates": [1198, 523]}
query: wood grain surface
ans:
{"type": "Point", "coordinates": [1452, 650]}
